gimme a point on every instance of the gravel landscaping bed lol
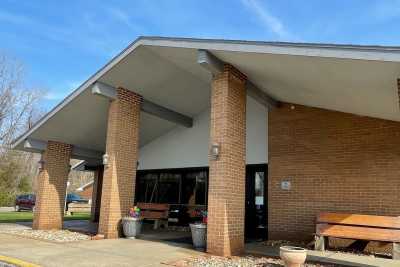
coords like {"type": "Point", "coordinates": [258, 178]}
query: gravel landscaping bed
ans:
{"type": "Point", "coordinates": [4, 264]}
{"type": "Point", "coordinates": [246, 261]}
{"type": "Point", "coordinates": [51, 235]}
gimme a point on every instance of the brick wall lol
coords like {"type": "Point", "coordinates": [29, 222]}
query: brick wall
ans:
{"type": "Point", "coordinates": [122, 148]}
{"type": "Point", "coordinates": [335, 162]}
{"type": "Point", "coordinates": [225, 233]}
{"type": "Point", "coordinates": [52, 185]}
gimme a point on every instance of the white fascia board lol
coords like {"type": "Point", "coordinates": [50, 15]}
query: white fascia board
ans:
{"type": "Point", "coordinates": [377, 53]}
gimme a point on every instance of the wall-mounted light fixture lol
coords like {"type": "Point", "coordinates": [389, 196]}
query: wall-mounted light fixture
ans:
{"type": "Point", "coordinates": [41, 163]}
{"type": "Point", "coordinates": [215, 150]}
{"type": "Point", "coordinates": [105, 160]}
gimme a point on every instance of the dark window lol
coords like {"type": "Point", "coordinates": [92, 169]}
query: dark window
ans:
{"type": "Point", "coordinates": [169, 188]}
{"type": "Point", "coordinates": [148, 188]}
{"type": "Point", "coordinates": [174, 186]}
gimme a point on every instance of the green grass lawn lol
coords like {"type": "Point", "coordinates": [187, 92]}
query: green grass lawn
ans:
{"type": "Point", "coordinates": [27, 216]}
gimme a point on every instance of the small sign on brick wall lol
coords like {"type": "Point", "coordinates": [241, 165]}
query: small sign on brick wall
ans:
{"type": "Point", "coordinates": [286, 185]}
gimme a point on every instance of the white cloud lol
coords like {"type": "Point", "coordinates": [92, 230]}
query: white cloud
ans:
{"type": "Point", "coordinates": [14, 18]}
{"type": "Point", "coordinates": [271, 22]}
{"type": "Point", "coordinates": [123, 17]}
{"type": "Point", "coordinates": [95, 42]}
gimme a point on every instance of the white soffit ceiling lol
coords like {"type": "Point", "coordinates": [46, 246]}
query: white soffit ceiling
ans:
{"type": "Point", "coordinates": [367, 88]}
{"type": "Point", "coordinates": [162, 81]}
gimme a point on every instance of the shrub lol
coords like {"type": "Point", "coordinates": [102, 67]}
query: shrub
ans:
{"type": "Point", "coordinates": [7, 199]}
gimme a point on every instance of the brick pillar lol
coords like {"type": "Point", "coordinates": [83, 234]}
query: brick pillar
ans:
{"type": "Point", "coordinates": [226, 194]}
{"type": "Point", "coordinates": [52, 185]}
{"type": "Point", "coordinates": [122, 150]}
{"type": "Point", "coordinates": [96, 194]}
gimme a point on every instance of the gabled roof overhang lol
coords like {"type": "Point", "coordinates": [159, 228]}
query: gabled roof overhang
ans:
{"type": "Point", "coordinates": [348, 78]}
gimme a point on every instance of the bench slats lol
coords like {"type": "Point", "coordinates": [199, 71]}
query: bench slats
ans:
{"type": "Point", "coordinates": [153, 206]}
{"type": "Point", "coordinates": [148, 214]}
{"type": "Point", "coordinates": [79, 207]}
{"type": "Point", "coordinates": [154, 211]}
{"type": "Point", "coordinates": [356, 232]}
{"type": "Point", "coordinates": [357, 219]}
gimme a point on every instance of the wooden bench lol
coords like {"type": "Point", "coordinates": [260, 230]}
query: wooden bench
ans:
{"type": "Point", "coordinates": [155, 211]}
{"type": "Point", "coordinates": [78, 207]}
{"type": "Point", "coordinates": [359, 227]}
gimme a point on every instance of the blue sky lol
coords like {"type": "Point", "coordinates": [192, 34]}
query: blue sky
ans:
{"type": "Point", "coordinates": [62, 43]}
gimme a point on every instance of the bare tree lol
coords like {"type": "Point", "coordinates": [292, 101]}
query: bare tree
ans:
{"type": "Point", "coordinates": [18, 111]}
{"type": "Point", "coordinates": [18, 104]}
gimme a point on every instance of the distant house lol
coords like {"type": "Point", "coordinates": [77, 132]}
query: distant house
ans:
{"type": "Point", "coordinates": [86, 191]}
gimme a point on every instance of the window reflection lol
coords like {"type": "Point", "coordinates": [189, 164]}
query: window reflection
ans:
{"type": "Point", "coordinates": [186, 186]}
{"type": "Point", "coordinates": [169, 188]}
{"type": "Point", "coordinates": [259, 188]}
{"type": "Point", "coordinates": [148, 188]}
{"type": "Point", "coordinates": [194, 188]}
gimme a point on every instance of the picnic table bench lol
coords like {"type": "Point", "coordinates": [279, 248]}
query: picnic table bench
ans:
{"type": "Point", "coordinates": [156, 212]}
{"type": "Point", "coordinates": [358, 227]}
{"type": "Point", "coordinates": [78, 207]}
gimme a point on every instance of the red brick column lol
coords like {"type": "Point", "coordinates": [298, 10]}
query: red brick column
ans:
{"type": "Point", "coordinates": [122, 150]}
{"type": "Point", "coordinates": [96, 194]}
{"type": "Point", "coordinates": [226, 195]}
{"type": "Point", "coordinates": [52, 186]}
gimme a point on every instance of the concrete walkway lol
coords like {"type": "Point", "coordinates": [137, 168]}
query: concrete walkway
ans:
{"type": "Point", "coordinates": [346, 259]}
{"type": "Point", "coordinates": [146, 253]}
{"type": "Point", "coordinates": [111, 252]}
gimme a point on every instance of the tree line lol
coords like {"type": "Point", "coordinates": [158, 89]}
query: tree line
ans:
{"type": "Point", "coordinates": [19, 110]}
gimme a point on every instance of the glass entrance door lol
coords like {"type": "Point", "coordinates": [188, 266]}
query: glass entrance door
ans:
{"type": "Point", "coordinates": [256, 202]}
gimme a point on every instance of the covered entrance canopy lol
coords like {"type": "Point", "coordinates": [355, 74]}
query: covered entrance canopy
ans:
{"type": "Point", "coordinates": [355, 79]}
{"type": "Point", "coordinates": [158, 84]}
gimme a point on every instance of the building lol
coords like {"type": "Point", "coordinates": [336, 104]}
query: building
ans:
{"type": "Point", "coordinates": [265, 134]}
{"type": "Point", "coordinates": [86, 191]}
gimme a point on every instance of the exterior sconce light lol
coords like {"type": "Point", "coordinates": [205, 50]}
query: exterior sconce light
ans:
{"type": "Point", "coordinates": [41, 165]}
{"type": "Point", "coordinates": [105, 160]}
{"type": "Point", "coordinates": [215, 151]}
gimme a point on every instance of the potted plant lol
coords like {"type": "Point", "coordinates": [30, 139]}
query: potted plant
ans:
{"type": "Point", "coordinates": [199, 232]}
{"type": "Point", "coordinates": [293, 256]}
{"type": "Point", "coordinates": [132, 224]}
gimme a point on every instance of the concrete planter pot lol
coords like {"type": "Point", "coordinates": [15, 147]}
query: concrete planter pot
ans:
{"type": "Point", "coordinates": [199, 235]}
{"type": "Point", "coordinates": [132, 227]}
{"type": "Point", "coordinates": [293, 256]}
